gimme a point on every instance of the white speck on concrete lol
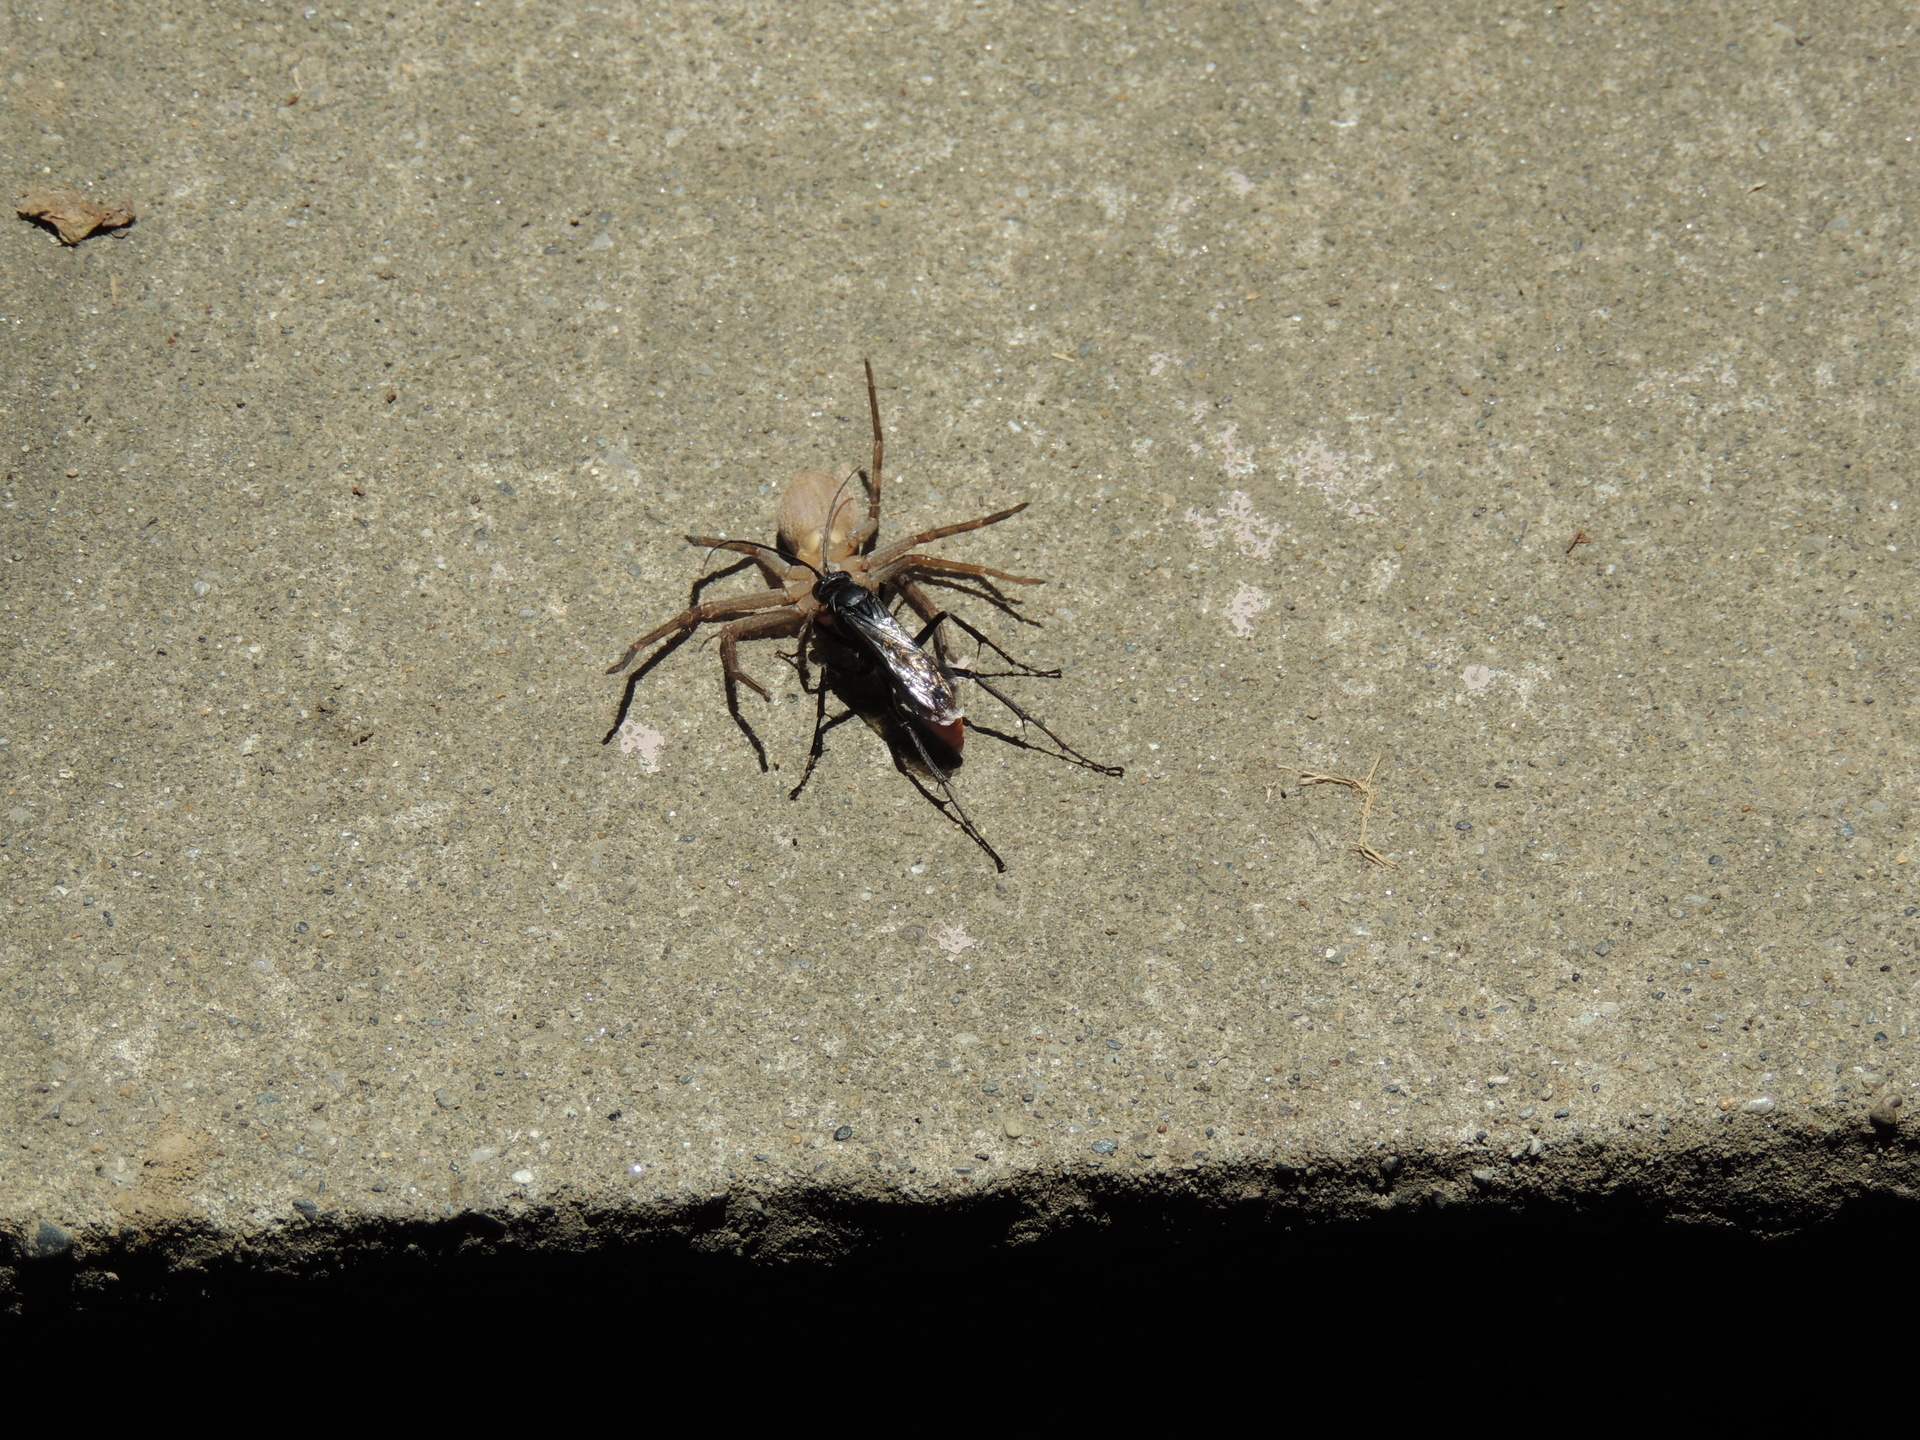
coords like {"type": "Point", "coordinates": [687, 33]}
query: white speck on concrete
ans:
{"type": "Point", "coordinates": [1247, 603]}
{"type": "Point", "coordinates": [1253, 535]}
{"type": "Point", "coordinates": [635, 735]}
{"type": "Point", "coordinates": [954, 939]}
{"type": "Point", "coordinates": [1337, 474]}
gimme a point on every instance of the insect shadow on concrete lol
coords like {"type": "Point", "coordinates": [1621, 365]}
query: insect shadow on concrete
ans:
{"type": "Point", "coordinates": [831, 585]}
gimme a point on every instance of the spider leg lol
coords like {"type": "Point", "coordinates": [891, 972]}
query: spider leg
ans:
{"type": "Point", "coordinates": [798, 659]}
{"type": "Point", "coordinates": [988, 591]}
{"type": "Point", "coordinates": [935, 565]}
{"type": "Point", "coordinates": [758, 627]}
{"type": "Point", "coordinates": [697, 615]}
{"type": "Point", "coordinates": [894, 551]}
{"type": "Point", "coordinates": [639, 674]}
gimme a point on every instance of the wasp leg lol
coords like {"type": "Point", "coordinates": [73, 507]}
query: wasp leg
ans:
{"type": "Point", "coordinates": [1066, 752]}
{"type": "Point", "coordinates": [820, 727]}
{"type": "Point", "coordinates": [1021, 667]}
{"type": "Point", "coordinates": [950, 806]}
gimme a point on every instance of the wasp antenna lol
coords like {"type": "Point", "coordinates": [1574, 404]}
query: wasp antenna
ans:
{"type": "Point", "coordinates": [879, 452]}
{"type": "Point", "coordinates": [770, 549]}
{"type": "Point", "coordinates": [826, 525]}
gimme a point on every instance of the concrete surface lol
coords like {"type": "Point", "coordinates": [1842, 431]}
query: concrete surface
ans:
{"type": "Point", "coordinates": [1316, 336]}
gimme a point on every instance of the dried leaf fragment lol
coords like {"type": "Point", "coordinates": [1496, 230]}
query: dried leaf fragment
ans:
{"type": "Point", "coordinates": [72, 217]}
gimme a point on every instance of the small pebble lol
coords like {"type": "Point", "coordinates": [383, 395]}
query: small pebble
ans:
{"type": "Point", "coordinates": [1716, 860]}
{"type": "Point", "coordinates": [845, 1132]}
{"type": "Point", "coordinates": [1390, 1166]}
{"type": "Point", "coordinates": [1758, 1105]}
{"type": "Point", "coordinates": [1886, 1114]}
{"type": "Point", "coordinates": [1483, 1178]}
{"type": "Point", "coordinates": [1105, 1147]}
{"type": "Point", "coordinates": [1562, 1113]}
{"type": "Point", "coordinates": [1113, 1044]}
{"type": "Point", "coordinates": [1014, 1129]}
{"type": "Point", "coordinates": [1526, 1112]}
{"type": "Point", "coordinates": [522, 1177]}
{"type": "Point", "coordinates": [444, 1099]}
{"type": "Point", "coordinates": [306, 1206]}
{"type": "Point", "coordinates": [1605, 947]}
{"type": "Point", "coordinates": [1463, 826]}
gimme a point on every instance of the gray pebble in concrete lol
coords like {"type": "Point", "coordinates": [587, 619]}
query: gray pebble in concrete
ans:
{"type": "Point", "coordinates": [1104, 1147]}
{"type": "Point", "coordinates": [845, 1132]}
{"type": "Point", "coordinates": [45, 1240]}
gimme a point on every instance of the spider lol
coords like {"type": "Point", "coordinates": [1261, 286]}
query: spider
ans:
{"type": "Point", "coordinates": [819, 532]}
{"type": "Point", "coordinates": [829, 585]}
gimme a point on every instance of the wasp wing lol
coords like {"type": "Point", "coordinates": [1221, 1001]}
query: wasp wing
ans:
{"type": "Point", "coordinates": [917, 680]}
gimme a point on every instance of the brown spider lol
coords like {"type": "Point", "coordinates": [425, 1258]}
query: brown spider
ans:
{"type": "Point", "coordinates": [819, 532]}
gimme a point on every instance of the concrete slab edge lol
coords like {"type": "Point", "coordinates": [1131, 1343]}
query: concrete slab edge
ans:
{"type": "Point", "coordinates": [1767, 1176]}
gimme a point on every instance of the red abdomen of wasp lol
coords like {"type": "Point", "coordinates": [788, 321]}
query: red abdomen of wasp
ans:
{"type": "Point", "coordinates": [952, 734]}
